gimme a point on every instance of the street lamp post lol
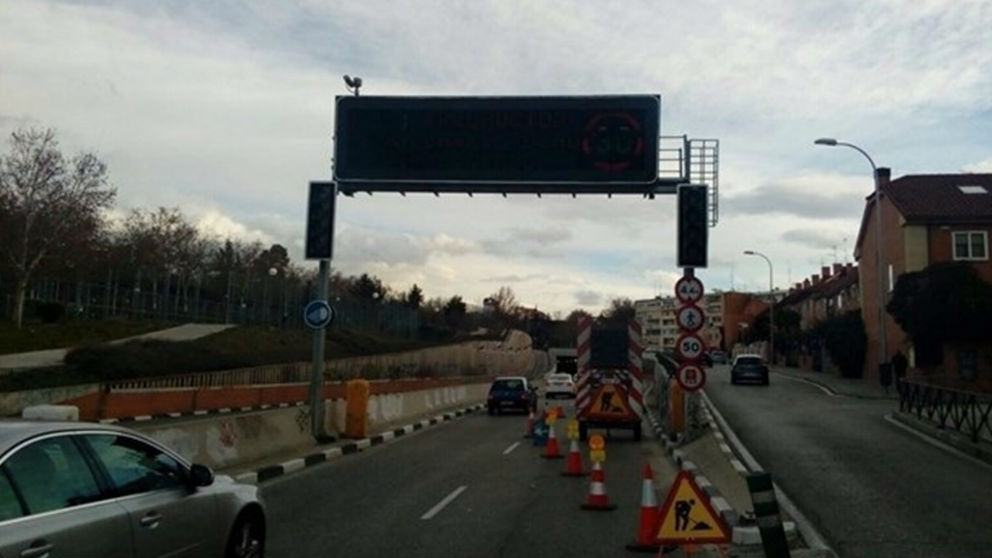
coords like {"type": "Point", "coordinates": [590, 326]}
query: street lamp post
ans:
{"type": "Point", "coordinates": [883, 354]}
{"type": "Point", "coordinates": [771, 307]}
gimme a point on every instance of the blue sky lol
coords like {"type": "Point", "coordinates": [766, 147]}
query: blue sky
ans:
{"type": "Point", "coordinates": [226, 111]}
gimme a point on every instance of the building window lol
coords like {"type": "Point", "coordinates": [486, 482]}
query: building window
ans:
{"type": "Point", "coordinates": [654, 332]}
{"type": "Point", "coordinates": [970, 245]}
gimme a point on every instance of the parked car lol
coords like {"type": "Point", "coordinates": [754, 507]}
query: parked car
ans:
{"type": "Point", "coordinates": [559, 385]}
{"type": "Point", "coordinates": [511, 392]}
{"type": "Point", "coordinates": [83, 489]}
{"type": "Point", "coordinates": [718, 357]}
{"type": "Point", "coordinates": [749, 368]}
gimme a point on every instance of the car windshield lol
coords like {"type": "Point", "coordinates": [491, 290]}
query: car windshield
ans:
{"type": "Point", "coordinates": [508, 385]}
{"type": "Point", "coordinates": [749, 360]}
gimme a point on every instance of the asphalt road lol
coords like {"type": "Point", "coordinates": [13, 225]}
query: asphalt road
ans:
{"type": "Point", "coordinates": [507, 501]}
{"type": "Point", "coordinates": [871, 488]}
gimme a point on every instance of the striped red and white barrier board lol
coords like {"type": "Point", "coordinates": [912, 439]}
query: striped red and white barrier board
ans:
{"type": "Point", "coordinates": [582, 386]}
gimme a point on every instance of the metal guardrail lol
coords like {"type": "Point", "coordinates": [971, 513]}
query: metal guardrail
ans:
{"type": "Point", "coordinates": [275, 374]}
{"type": "Point", "coordinates": [965, 411]}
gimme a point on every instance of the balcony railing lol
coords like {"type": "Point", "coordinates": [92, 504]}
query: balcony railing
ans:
{"type": "Point", "coordinates": [967, 412]}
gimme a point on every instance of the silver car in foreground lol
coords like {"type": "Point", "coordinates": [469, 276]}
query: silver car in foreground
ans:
{"type": "Point", "coordinates": [83, 489]}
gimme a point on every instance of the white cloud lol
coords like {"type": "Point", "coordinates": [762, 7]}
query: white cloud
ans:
{"type": "Point", "coordinates": [979, 167]}
{"type": "Point", "coordinates": [226, 111]}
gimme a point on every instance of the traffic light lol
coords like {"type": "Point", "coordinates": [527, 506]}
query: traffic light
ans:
{"type": "Point", "coordinates": [693, 226]}
{"type": "Point", "coordinates": [320, 220]}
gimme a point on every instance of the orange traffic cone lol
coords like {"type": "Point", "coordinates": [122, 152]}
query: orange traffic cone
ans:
{"type": "Point", "coordinates": [573, 467]}
{"type": "Point", "coordinates": [529, 427]}
{"type": "Point", "coordinates": [560, 411]}
{"type": "Point", "coordinates": [551, 450]}
{"type": "Point", "coordinates": [647, 532]}
{"type": "Point", "coordinates": [598, 500]}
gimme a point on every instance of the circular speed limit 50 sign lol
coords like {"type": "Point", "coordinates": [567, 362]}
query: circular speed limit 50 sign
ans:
{"type": "Point", "coordinates": [690, 346]}
{"type": "Point", "coordinates": [691, 377]}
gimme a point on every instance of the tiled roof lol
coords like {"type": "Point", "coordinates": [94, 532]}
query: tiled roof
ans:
{"type": "Point", "coordinates": [838, 283]}
{"type": "Point", "coordinates": [937, 198]}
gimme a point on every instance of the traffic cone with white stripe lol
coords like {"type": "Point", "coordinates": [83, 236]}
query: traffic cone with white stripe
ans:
{"type": "Point", "coordinates": [647, 532]}
{"type": "Point", "coordinates": [551, 451]}
{"type": "Point", "coordinates": [529, 427]}
{"type": "Point", "coordinates": [573, 467]}
{"type": "Point", "coordinates": [598, 500]}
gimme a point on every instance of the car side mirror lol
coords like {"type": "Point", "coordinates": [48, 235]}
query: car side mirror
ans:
{"type": "Point", "coordinates": [200, 475]}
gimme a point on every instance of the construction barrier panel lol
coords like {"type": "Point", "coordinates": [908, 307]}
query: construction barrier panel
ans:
{"type": "Point", "coordinates": [356, 414]}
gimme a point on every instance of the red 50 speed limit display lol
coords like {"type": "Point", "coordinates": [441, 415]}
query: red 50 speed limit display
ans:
{"type": "Point", "coordinates": [691, 377]}
{"type": "Point", "coordinates": [690, 346]}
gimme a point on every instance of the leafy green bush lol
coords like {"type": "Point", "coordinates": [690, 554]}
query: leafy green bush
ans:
{"type": "Point", "coordinates": [846, 342]}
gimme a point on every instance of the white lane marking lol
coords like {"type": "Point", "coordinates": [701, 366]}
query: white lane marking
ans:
{"type": "Point", "coordinates": [814, 384]}
{"type": "Point", "coordinates": [936, 443]}
{"type": "Point", "coordinates": [441, 505]}
{"type": "Point", "coordinates": [512, 447]}
{"type": "Point", "coordinates": [812, 537]}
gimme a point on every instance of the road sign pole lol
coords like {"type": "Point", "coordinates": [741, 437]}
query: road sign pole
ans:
{"type": "Point", "coordinates": [317, 366]}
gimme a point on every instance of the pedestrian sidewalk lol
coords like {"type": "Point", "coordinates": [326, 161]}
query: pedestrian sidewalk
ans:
{"type": "Point", "coordinates": [54, 357]}
{"type": "Point", "coordinates": [861, 388]}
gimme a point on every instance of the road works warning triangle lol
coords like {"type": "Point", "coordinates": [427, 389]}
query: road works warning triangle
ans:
{"type": "Point", "coordinates": [610, 401]}
{"type": "Point", "coordinates": [687, 517]}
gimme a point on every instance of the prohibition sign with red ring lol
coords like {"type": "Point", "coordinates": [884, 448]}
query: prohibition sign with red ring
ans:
{"type": "Point", "coordinates": [690, 346]}
{"type": "Point", "coordinates": [689, 290]}
{"type": "Point", "coordinates": [691, 377]}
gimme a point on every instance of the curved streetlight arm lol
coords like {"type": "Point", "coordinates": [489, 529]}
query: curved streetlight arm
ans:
{"type": "Point", "coordinates": [863, 152]}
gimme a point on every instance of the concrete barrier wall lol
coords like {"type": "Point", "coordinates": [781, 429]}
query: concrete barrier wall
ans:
{"type": "Point", "coordinates": [231, 440]}
{"type": "Point", "coordinates": [13, 402]}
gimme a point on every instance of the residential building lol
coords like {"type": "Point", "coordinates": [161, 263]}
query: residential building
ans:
{"type": "Point", "coordinates": [925, 219]}
{"type": "Point", "coordinates": [739, 312]}
{"type": "Point", "coordinates": [724, 312]}
{"type": "Point", "coordinates": [657, 319]}
{"type": "Point", "coordinates": [822, 296]}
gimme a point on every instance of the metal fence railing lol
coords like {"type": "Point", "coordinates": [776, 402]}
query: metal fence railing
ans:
{"type": "Point", "coordinates": [275, 374]}
{"type": "Point", "coordinates": [967, 412]}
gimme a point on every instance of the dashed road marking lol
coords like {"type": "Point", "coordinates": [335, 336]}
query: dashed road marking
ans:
{"type": "Point", "coordinates": [512, 447]}
{"type": "Point", "coordinates": [443, 503]}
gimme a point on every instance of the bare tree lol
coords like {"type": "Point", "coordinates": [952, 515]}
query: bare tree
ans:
{"type": "Point", "coordinates": [45, 198]}
{"type": "Point", "coordinates": [504, 301]}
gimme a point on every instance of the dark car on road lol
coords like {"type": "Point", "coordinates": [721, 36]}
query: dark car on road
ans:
{"type": "Point", "coordinates": [749, 368]}
{"type": "Point", "coordinates": [718, 357]}
{"type": "Point", "coordinates": [511, 392]}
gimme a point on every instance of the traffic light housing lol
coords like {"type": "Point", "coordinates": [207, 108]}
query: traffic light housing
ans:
{"type": "Point", "coordinates": [320, 220]}
{"type": "Point", "coordinates": [693, 226]}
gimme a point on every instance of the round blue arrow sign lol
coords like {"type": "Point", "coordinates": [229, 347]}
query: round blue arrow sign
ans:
{"type": "Point", "coordinates": [318, 314]}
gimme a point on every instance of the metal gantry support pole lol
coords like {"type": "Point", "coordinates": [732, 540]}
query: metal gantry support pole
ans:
{"type": "Point", "coordinates": [317, 365]}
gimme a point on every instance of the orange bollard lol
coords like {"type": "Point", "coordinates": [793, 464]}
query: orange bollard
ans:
{"type": "Point", "coordinates": [529, 426]}
{"type": "Point", "coordinates": [647, 531]}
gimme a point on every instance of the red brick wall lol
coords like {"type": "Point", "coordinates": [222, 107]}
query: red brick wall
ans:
{"type": "Point", "coordinates": [942, 249]}
{"type": "Point", "coordinates": [893, 251]}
